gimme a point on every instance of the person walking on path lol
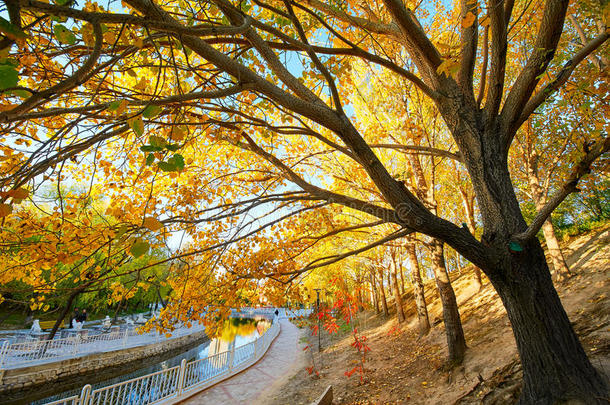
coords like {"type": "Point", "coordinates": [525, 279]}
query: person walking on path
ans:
{"type": "Point", "coordinates": [74, 318]}
{"type": "Point", "coordinates": [83, 316]}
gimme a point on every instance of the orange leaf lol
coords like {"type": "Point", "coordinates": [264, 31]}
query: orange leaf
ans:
{"type": "Point", "coordinates": [152, 223]}
{"type": "Point", "coordinates": [468, 20]}
{"type": "Point", "coordinates": [19, 193]}
{"type": "Point", "coordinates": [5, 209]}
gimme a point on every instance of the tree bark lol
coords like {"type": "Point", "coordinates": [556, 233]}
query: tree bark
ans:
{"type": "Point", "coordinates": [559, 263]}
{"type": "Point", "coordinates": [458, 265]}
{"type": "Point", "coordinates": [469, 208]}
{"type": "Point", "coordinates": [539, 194]}
{"type": "Point", "coordinates": [555, 366]}
{"type": "Point", "coordinates": [400, 314]}
{"type": "Point", "coordinates": [374, 290]}
{"type": "Point", "coordinates": [418, 291]}
{"type": "Point", "coordinates": [453, 325]}
{"type": "Point", "coordinates": [63, 313]}
{"type": "Point", "coordinates": [402, 278]}
{"type": "Point", "coordinates": [384, 301]}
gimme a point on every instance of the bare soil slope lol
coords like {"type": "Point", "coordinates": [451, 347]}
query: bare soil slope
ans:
{"type": "Point", "coordinates": [402, 368]}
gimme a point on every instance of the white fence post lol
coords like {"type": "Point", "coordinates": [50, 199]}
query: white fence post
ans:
{"type": "Point", "coordinates": [231, 357]}
{"type": "Point", "coordinates": [125, 336]}
{"type": "Point", "coordinates": [76, 343]}
{"type": "Point", "coordinates": [3, 352]}
{"type": "Point", "coordinates": [84, 395]}
{"type": "Point", "coordinates": [181, 376]}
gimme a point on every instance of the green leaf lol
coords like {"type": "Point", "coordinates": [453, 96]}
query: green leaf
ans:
{"type": "Point", "coordinates": [58, 19]}
{"type": "Point", "coordinates": [151, 111]}
{"type": "Point", "coordinates": [515, 246]}
{"type": "Point", "coordinates": [21, 93]}
{"type": "Point", "coordinates": [121, 231]}
{"type": "Point", "coordinates": [137, 125]}
{"type": "Point", "coordinates": [9, 77]}
{"type": "Point", "coordinates": [172, 147]}
{"type": "Point", "coordinates": [150, 148]}
{"type": "Point", "coordinates": [157, 141]}
{"type": "Point", "coordinates": [11, 31]}
{"type": "Point", "coordinates": [167, 166]}
{"type": "Point", "coordinates": [64, 35]}
{"type": "Point", "coordinates": [62, 2]}
{"type": "Point", "coordinates": [178, 161]}
{"type": "Point", "coordinates": [150, 159]}
{"type": "Point", "coordinates": [114, 105]}
{"type": "Point", "coordinates": [139, 248]}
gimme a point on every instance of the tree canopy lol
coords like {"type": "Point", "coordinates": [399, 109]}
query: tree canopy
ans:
{"type": "Point", "coordinates": [257, 143]}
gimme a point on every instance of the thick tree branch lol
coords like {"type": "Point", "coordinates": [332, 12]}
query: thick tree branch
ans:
{"type": "Point", "coordinates": [413, 32]}
{"type": "Point", "coordinates": [469, 37]}
{"type": "Point", "coordinates": [497, 69]}
{"type": "Point", "coordinates": [118, 18]}
{"type": "Point", "coordinates": [542, 53]}
{"type": "Point", "coordinates": [367, 25]}
{"type": "Point", "coordinates": [483, 80]}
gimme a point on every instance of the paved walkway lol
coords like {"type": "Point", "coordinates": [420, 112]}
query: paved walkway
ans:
{"type": "Point", "coordinates": [249, 386]}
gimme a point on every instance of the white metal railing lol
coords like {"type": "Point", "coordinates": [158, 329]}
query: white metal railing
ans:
{"type": "Point", "coordinates": [22, 354]}
{"type": "Point", "coordinates": [179, 381]}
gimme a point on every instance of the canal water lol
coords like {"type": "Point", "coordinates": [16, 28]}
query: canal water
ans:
{"type": "Point", "coordinates": [235, 332]}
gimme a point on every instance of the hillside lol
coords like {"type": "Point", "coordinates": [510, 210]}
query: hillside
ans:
{"type": "Point", "coordinates": [402, 368]}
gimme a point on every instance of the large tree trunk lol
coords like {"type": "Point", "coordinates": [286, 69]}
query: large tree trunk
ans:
{"type": "Point", "coordinates": [555, 366]}
{"type": "Point", "coordinates": [552, 244]}
{"type": "Point", "coordinates": [400, 314]}
{"type": "Point", "coordinates": [451, 316]}
{"type": "Point", "coordinates": [418, 291]}
{"type": "Point", "coordinates": [384, 301]}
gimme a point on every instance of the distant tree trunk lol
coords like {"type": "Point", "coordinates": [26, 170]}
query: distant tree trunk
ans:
{"type": "Point", "coordinates": [400, 314]}
{"type": "Point", "coordinates": [384, 301]}
{"type": "Point", "coordinates": [468, 202]}
{"type": "Point", "coordinates": [374, 291]}
{"type": "Point", "coordinates": [458, 265]}
{"type": "Point", "coordinates": [63, 313]}
{"type": "Point", "coordinates": [401, 270]}
{"type": "Point", "coordinates": [560, 266]}
{"type": "Point", "coordinates": [418, 291]}
{"type": "Point", "coordinates": [359, 296]}
{"type": "Point", "coordinates": [118, 308]}
{"type": "Point", "coordinates": [451, 316]}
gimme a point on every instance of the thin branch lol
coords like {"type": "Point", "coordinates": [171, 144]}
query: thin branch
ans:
{"type": "Point", "coordinates": [581, 169]}
{"type": "Point", "coordinates": [76, 79]}
{"type": "Point", "coordinates": [421, 149]}
{"type": "Point", "coordinates": [562, 77]}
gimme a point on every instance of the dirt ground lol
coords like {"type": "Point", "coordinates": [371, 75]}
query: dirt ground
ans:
{"type": "Point", "coordinates": [402, 368]}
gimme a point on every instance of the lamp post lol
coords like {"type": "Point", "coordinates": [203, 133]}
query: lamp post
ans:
{"type": "Point", "coordinates": [318, 310]}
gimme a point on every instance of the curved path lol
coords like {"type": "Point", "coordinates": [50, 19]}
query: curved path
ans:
{"type": "Point", "coordinates": [249, 386]}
